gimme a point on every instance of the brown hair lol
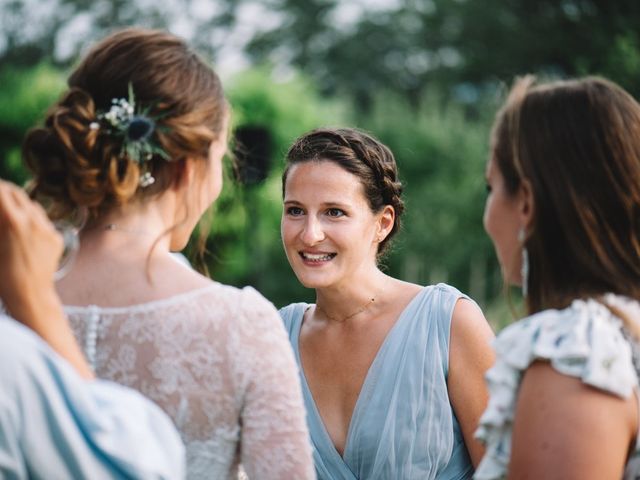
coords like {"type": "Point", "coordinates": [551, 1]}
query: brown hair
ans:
{"type": "Point", "coordinates": [359, 154]}
{"type": "Point", "coordinates": [75, 166]}
{"type": "Point", "coordinates": [577, 143]}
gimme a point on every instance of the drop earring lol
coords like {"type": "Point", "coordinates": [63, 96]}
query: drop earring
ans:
{"type": "Point", "coordinates": [524, 266]}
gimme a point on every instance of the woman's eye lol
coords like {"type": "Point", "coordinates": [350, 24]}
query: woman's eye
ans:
{"type": "Point", "coordinates": [335, 212]}
{"type": "Point", "coordinates": [294, 211]}
{"type": "Point", "coordinates": [488, 188]}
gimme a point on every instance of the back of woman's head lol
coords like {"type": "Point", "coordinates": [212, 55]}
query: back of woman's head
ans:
{"type": "Point", "coordinates": [577, 143]}
{"type": "Point", "coordinates": [75, 158]}
{"type": "Point", "coordinates": [361, 155]}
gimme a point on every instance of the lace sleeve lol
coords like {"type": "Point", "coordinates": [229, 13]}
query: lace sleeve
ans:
{"type": "Point", "coordinates": [274, 437]}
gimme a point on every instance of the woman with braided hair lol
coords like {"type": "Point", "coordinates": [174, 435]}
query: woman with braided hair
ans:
{"type": "Point", "coordinates": [136, 144]}
{"type": "Point", "coordinates": [392, 372]}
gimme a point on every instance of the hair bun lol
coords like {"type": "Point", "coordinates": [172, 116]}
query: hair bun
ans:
{"type": "Point", "coordinates": [68, 170]}
{"type": "Point", "coordinates": [79, 160]}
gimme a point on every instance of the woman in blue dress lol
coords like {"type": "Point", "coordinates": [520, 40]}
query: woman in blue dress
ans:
{"type": "Point", "coordinates": [392, 372]}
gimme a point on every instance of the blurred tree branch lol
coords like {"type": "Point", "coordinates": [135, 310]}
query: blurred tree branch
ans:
{"type": "Point", "coordinates": [451, 43]}
{"type": "Point", "coordinates": [55, 31]}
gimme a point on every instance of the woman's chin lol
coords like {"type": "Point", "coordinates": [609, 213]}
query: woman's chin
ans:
{"type": "Point", "coordinates": [309, 281]}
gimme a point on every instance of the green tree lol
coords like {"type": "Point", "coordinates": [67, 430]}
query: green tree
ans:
{"type": "Point", "coordinates": [441, 155]}
{"type": "Point", "coordinates": [460, 46]}
{"type": "Point", "coordinates": [25, 96]}
{"type": "Point", "coordinates": [32, 31]}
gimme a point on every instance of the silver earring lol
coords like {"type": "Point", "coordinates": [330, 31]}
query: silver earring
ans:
{"type": "Point", "coordinates": [524, 267]}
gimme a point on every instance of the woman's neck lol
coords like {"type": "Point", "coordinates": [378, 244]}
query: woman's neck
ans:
{"type": "Point", "coordinates": [138, 226]}
{"type": "Point", "coordinates": [353, 299]}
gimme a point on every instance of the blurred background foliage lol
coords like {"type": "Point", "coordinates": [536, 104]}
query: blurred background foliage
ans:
{"type": "Point", "coordinates": [425, 76]}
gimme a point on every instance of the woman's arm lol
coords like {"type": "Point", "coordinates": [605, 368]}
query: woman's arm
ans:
{"type": "Point", "coordinates": [470, 356]}
{"type": "Point", "coordinates": [564, 429]}
{"type": "Point", "coordinates": [30, 249]}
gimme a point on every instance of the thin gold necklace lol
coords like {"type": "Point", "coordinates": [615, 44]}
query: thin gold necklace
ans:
{"type": "Point", "coordinates": [344, 319]}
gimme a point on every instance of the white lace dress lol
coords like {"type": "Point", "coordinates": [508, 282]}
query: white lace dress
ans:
{"type": "Point", "coordinates": [218, 361]}
{"type": "Point", "coordinates": [584, 340]}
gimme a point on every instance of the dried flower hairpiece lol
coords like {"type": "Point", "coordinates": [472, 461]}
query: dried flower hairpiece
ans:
{"type": "Point", "coordinates": [136, 128]}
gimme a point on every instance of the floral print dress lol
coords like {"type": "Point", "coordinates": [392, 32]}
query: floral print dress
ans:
{"type": "Point", "coordinates": [585, 340]}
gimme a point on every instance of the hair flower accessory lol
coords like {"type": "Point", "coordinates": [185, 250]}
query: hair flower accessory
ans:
{"type": "Point", "coordinates": [136, 129]}
{"type": "Point", "coordinates": [140, 128]}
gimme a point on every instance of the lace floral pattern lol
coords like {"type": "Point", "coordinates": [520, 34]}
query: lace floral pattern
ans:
{"type": "Point", "coordinates": [585, 341]}
{"type": "Point", "coordinates": [218, 361]}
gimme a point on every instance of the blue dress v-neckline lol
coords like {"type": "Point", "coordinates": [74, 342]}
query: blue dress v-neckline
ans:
{"type": "Point", "coordinates": [366, 389]}
{"type": "Point", "coordinates": [402, 424]}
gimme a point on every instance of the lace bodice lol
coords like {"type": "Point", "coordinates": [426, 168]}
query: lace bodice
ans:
{"type": "Point", "coordinates": [217, 360]}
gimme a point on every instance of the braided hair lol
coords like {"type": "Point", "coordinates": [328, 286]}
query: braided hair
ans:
{"type": "Point", "coordinates": [361, 155]}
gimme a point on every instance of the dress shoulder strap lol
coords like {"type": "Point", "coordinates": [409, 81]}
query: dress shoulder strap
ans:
{"type": "Point", "coordinates": [438, 307]}
{"type": "Point", "coordinates": [292, 316]}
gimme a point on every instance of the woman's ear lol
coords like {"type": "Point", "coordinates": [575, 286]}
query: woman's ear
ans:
{"type": "Point", "coordinates": [527, 204]}
{"type": "Point", "coordinates": [386, 220]}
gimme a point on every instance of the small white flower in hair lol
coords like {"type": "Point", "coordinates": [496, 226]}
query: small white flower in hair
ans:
{"type": "Point", "coordinates": [146, 179]}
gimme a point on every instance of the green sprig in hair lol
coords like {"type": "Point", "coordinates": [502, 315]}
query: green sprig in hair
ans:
{"type": "Point", "coordinates": [136, 128]}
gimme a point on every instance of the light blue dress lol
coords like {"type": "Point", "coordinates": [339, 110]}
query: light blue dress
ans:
{"type": "Point", "coordinates": [56, 425]}
{"type": "Point", "coordinates": [403, 426]}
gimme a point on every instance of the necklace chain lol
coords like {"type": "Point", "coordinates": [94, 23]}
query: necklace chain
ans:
{"type": "Point", "coordinates": [344, 319]}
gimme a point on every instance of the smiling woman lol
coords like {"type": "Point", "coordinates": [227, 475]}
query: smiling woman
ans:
{"type": "Point", "coordinates": [325, 210]}
{"type": "Point", "coordinates": [382, 361]}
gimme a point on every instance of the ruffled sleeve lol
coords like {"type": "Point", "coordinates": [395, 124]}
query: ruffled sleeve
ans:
{"type": "Point", "coordinates": [584, 341]}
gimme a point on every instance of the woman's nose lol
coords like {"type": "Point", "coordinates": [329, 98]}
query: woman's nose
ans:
{"type": "Point", "coordinates": [313, 232]}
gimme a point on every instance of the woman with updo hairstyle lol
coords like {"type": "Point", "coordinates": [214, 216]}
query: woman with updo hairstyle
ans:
{"type": "Point", "coordinates": [135, 147]}
{"type": "Point", "coordinates": [392, 372]}
{"type": "Point", "coordinates": [563, 212]}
